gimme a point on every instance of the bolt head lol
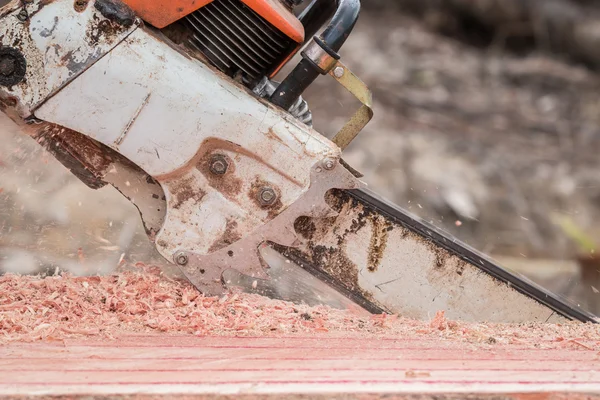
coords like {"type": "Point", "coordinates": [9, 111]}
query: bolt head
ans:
{"type": "Point", "coordinates": [338, 72]}
{"type": "Point", "coordinates": [329, 164]}
{"type": "Point", "coordinates": [267, 196]}
{"type": "Point", "coordinates": [218, 165]}
{"type": "Point", "coordinates": [22, 15]}
{"type": "Point", "coordinates": [181, 259]}
{"type": "Point", "coordinates": [7, 66]}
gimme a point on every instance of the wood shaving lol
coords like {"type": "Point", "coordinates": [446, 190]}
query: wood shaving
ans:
{"type": "Point", "coordinates": [143, 300]}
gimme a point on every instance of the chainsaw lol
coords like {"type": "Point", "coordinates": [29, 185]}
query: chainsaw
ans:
{"type": "Point", "coordinates": [175, 104]}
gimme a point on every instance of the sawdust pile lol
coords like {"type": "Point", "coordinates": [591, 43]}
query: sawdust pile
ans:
{"type": "Point", "coordinates": [32, 308]}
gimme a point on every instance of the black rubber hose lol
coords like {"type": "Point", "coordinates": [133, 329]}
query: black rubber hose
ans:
{"type": "Point", "coordinates": [315, 15]}
{"type": "Point", "coordinates": [341, 24]}
{"type": "Point", "coordinates": [305, 73]}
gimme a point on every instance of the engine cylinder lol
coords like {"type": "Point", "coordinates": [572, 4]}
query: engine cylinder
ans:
{"type": "Point", "coordinates": [237, 40]}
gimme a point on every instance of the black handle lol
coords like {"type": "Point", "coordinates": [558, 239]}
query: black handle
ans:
{"type": "Point", "coordinates": [332, 39]}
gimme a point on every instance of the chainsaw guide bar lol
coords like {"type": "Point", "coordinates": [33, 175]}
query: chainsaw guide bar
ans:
{"type": "Point", "coordinates": [514, 285]}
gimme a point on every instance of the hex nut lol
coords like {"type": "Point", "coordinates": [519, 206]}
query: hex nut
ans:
{"type": "Point", "coordinates": [218, 165]}
{"type": "Point", "coordinates": [181, 259]}
{"type": "Point", "coordinates": [23, 15]}
{"type": "Point", "coordinates": [267, 196]}
{"type": "Point", "coordinates": [329, 164]}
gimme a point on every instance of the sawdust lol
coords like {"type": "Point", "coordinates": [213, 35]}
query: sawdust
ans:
{"type": "Point", "coordinates": [143, 300]}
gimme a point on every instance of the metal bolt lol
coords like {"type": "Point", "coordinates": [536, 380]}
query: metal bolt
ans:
{"type": "Point", "coordinates": [181, 258]}
{"type": "Point", "coordinates": [7, 65]}
{"type": "Point", "coordinates": [22, 15]}
{"type": "Point", "coordinates": [329, 164]}
{"type": "Point", "coordinates": [267, 196]}
{"type": "Point", "coordinates": [218, 165]}
{"type": "Point", "coordinates": [338, 72]}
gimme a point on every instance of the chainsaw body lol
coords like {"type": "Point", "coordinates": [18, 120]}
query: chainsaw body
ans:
{"type": "Point", "coordinates": [173, 104]}
{"type": "Point", "coordinates": [215, 162]}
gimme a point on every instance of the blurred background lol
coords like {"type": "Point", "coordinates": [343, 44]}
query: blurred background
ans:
{"type": "Point", "coordinates": [487, 124]}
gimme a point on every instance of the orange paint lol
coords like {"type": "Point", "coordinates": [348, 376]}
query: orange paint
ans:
{"type": "Point", "coordinates": [288, 58]}
{"type": "Point", "coordinates": [278, 16]}
{"type": "Point", "coordinates": [160, 13]}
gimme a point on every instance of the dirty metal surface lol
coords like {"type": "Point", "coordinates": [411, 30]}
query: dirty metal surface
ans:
{"type": "Point", "coordinates": [231, 200]}
{"type": "Point", "coordinates": [206, 271]}
{"type": "Point", "coordinates": [156, 106]}
{"type": "Point", "coordinates": [76, 152]}
{"type": "Point", "coordinates": [59, 40]}
{"type": "Point", "coordinates": [170, 114]}
{"type": "Point", "coordinates": [300, 366]}
{"type": "Point", "coordinates": [142, 190]}
{"type": "Point", "coordinates": [96, 166]}
{"type": "Point", "coordinates": [399, 263]}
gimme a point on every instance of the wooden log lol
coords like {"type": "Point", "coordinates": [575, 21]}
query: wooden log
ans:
{"type": "Point", "coordinates": [301, 366]}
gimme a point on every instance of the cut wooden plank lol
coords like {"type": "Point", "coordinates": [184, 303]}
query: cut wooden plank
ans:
{"type": "Point", "coordinates": [187, 365]}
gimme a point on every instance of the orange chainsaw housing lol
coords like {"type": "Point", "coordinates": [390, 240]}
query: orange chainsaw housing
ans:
{"type": "Point", "coordinates": [161, 13]}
